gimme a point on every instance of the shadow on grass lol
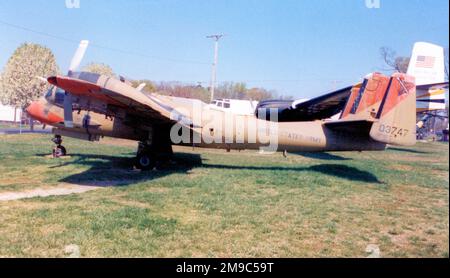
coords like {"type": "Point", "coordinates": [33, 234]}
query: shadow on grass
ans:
{"type": "Point", "coordinates": [323, 156]}
{"type": "Point", "coordinates": [107, 170]}
{"type": "Point", "coordinates": [407, 150]}
{"type": "Point", "coordinates": [340, 171]}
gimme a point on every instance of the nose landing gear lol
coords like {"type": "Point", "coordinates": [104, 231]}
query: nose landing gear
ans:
{"type": "Point", "coordinates": [58, 150]}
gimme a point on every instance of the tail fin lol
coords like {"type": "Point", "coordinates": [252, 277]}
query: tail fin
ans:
{"type": "Point", "coordinates": [427, 64]}
{"type": "Point", "coordinates": [396, 118]}
{"type": "Point", "coordinates": [365, 99]}
{"type": "Point", "coordinates": [387, 102]}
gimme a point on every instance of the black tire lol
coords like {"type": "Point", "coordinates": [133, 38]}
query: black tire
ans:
{"type": "Point", "coordinates": [63, 151]}
{"type": "Point", "coordinates": [59, 151]}
{"type": "Point", "coordinates": [145, 161]}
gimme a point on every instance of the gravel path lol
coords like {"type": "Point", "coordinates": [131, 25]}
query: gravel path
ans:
{"type": "Point", "coordinates": [65, 189]}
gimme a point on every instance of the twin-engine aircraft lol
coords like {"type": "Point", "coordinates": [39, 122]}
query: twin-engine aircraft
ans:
{"type": "Point", "coordinates": [379, 111]}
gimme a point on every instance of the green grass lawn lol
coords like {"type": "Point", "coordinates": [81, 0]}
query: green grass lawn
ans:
{"type": "Point", "coordinates": [216, 204]}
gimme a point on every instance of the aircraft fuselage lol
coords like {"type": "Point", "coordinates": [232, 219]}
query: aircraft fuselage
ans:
{"type": "Point", "coordinates": [211, 129]}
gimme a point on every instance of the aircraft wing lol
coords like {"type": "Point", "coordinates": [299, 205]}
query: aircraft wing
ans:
{"type": "Point", "coordinates": [319, 108]}
{"type": "Point", "coordinates": [437, 86]}
{"type": "Point", "coordinates": [121, 95]}
{"type": "Point", "coordinates": [431, 97]}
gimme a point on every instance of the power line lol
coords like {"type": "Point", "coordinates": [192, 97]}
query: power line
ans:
{"type": "Point", "coordinates": [180, 61]}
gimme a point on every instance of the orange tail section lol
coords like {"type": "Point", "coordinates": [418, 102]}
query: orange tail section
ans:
{"type": "Point", "coordinates": [365, 99]}
{"type": "Point", "coordinates": [389, 103]}
{"type": "Point", "coordinates": [396, 118]}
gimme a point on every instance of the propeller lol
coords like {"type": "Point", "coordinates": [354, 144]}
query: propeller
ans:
{"type": "Point", "coordinates": [74, 64]}
{"type": "Point", "coordinates": [44, 80]}
{"type": "Point", "coordinates": [78, 57]}
{"type": "Point", "coordinates": [141, 87]}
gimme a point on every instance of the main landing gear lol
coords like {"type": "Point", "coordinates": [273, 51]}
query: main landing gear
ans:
{"type": "Point", "coordinates": [150, 156]}
{"type": "Point", "coordinates": [59, 149]}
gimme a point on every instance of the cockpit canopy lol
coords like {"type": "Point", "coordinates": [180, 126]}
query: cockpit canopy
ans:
{"type": "Point", "coordinates": [55, 96]}
{"type": "Point", "coordinates": [222, 103]}
{"type": "Point", "coordinates": [235, 106]}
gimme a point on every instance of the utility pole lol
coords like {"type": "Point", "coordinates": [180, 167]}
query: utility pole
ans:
{"type": "Point", "coordinates": [216, 39]}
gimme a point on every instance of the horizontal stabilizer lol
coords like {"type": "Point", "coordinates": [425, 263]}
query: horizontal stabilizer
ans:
{"type": "Point", "coordinates": [352, 127]}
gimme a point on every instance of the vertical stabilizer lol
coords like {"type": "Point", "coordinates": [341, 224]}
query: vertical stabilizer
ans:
{"type": "Point", "coordinates": [396, 121]}
{"type": "Point", "coordinates": [427, 64]}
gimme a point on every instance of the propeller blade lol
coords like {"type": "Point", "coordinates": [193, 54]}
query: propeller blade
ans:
{"type": "Point", "coordinates": [68, 117]}
{"type": "Point", "coordinates": [42, 79]}
{"type": "Point", "coordinates": [141, 87]}
{"type": "Point", "coordinates": [78, 57]}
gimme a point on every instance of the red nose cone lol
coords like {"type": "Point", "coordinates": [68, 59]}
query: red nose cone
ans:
{"type": "Point", "coordinates": [37, 111]}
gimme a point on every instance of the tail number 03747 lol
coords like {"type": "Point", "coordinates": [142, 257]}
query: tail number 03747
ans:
{"type": "Point", "coordinates": [393, 130]}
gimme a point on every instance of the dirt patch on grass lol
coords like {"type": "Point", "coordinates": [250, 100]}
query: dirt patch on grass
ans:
{"type": "Point", "coordinates": [402, 167]}
{"type": "Point", "coordinates": [65, 189]}
{"type": "Point", "coordinates": [59, 190]}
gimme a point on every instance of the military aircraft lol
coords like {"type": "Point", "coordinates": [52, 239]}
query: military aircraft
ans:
{"type": "Point", "coordinates": [379, 111]}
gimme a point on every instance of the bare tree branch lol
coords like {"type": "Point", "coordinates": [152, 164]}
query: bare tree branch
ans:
{"type": "Point", "coordinates": [394, 62]}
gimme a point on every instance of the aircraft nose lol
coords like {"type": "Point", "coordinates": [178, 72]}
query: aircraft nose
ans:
{"type": "Point", "coordinates": [35, 110]}
{"type": "Point", "coordinates": [38, 112]}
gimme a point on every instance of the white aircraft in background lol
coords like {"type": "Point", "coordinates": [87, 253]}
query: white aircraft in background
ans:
{"type": "Point", "coordinates": [427, 66]}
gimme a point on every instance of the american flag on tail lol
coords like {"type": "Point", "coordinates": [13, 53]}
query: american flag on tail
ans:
{"type": "Point", "coordinates": [425, 62]}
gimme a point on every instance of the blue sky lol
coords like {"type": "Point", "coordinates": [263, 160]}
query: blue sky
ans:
{"type": "Point", "coordinates": [300, 48]}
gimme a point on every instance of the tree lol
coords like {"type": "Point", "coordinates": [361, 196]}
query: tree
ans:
{"type": "Point", "coordinates": [177, 89]}
{"type": "Point", "coordinates": [19, 83]}
{"type": "Point", "coordinates": [100, 68]}
{"type": "Point", "coordinates": [259, 94]}
{"type": "Point", "coordinates": [394, 62]}
{"type": "Point", "coordinates": [231, 90]}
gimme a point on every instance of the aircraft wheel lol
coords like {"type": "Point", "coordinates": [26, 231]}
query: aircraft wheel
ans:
{"type": "Point", "coordinates": [145, 161]}
{"type": "Point", "coordinates": [59, 151]}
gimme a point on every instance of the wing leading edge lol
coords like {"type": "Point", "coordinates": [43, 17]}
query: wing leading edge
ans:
{"type": "Point", "coordinates": [113, 92]}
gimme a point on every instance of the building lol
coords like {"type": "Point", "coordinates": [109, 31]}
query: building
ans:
{"type": "Point", "coordinates": [10, 114]}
